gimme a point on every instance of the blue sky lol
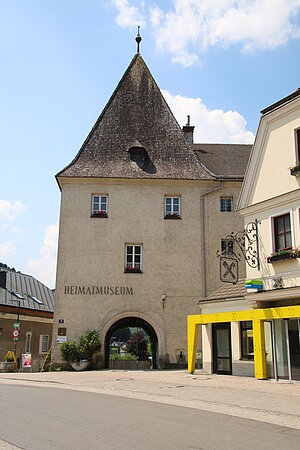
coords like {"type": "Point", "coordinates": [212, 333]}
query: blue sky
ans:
{"type": "Point", "coordinates": [220, 61]}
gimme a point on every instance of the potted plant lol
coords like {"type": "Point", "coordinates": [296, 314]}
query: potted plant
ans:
{"type": "Point", "coordinates": [131, 269]}
{"type": "Point", "coordinates": [79, 355]}
{"type": "Point", "coordinates": [295, 169]}
{"type": "Point", "coordinates": [287, 253]}
{"type": "Point", "coordinates": [10, 364]}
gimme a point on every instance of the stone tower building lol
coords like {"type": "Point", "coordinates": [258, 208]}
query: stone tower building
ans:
{"type": "Point", "coordinates": [143, 211]}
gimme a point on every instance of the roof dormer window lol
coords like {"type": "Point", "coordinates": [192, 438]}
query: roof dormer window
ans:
{"type": "Point", "coordinates": [139, 156]}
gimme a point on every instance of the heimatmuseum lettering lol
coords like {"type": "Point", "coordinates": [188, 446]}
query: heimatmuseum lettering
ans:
{"type": "Point", "coordinates": [98, 290]}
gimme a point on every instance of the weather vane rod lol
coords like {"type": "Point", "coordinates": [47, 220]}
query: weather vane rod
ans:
{"type": "Point", "coordinates": [138, 39]}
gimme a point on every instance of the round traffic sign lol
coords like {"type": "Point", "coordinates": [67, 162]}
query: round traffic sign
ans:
{"type": "Point", "coordinates": [16, 333]}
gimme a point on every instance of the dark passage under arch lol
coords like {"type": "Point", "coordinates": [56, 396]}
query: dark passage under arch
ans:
{"type": "Point", "coordinates": [122, 336]}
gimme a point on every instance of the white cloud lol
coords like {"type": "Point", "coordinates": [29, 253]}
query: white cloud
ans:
{"type": "Point", "coordinates": [9, 210]}
{"type": "Point", "coordinates": [44, 267]}
{"type": "Point", "coordinates": [7, 250]}
{"type": "Point", "coordinates": [210, 125]}
{"type": "Point", "coordinates": [190, 27]}
{"type": "Point", "coordinates": [129, 16]}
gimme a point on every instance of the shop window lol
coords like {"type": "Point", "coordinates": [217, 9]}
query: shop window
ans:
{"type": "Point", "coordinates": [227, 246]}
{"type": "Point", "coordinates": [282, 232]}
{"type": "Point", "coordinates": [44, 343]}
{"type": "Point", "coordinates": [133, 259]}
{"type": "Point", "coordinates": [28, 342]}
{"type": "Point", "coordinates": [226, 204]}
{"type": "Point", "coordinates": [247, 340]}
{"type": "Point", "coordinates": [172, 208]}
{"type": "Point", "coordinates": [100, 205]}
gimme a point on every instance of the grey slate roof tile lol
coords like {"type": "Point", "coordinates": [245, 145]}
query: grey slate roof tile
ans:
{"type": "Point", "coordinates": [26, 286]}
{"type": "Point", "coordinates": [224, 160]}
{"type": "Point", "coordinates": [136, 111]}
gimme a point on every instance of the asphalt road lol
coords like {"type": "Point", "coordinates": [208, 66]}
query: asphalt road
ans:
{"type": "Point", "coordinates": [44, 418]}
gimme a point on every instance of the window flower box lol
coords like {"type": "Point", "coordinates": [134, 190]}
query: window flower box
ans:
{"type": "Point", "coordinates": [284, 254]}
{"type": "Point", "coordinates": [295, 170]}
{"type": "Point", "coordinates": [172, 216]}
{"type": "Point", "coordinates": [129, 269]}
{"type": "Point", "coordinates": [102, 214]}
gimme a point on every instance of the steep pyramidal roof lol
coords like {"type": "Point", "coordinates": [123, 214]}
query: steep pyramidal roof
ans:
{"type": "Point", "coordinates": [136, 136]}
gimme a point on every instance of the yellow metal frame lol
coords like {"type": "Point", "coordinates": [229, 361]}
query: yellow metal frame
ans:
{"type": "Point", "coordinates": [258, 316]}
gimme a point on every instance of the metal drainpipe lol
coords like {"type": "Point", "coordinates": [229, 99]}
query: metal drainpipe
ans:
{"type": "Point", "coordinates": [202, 235]}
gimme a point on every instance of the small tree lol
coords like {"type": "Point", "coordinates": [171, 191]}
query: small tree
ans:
{"type": "Point", "coordinates": [132, 347]}
{"type": "Point", "coordinates": [89, 344]}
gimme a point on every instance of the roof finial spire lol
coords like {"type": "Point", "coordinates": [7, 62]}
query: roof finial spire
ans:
{"type": "Point", "coordinates": [138, 39]}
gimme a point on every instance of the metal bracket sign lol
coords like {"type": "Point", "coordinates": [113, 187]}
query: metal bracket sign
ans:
{"type": "Point", "coordinates": [229, 269]}
{"type": "Point", "coordinates": [243, 244]}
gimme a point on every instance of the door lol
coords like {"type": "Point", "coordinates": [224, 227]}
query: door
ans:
{"type": "Point", "coordinates": [222, 363]}
{"type": "Point", "coordinates": [294, 341]}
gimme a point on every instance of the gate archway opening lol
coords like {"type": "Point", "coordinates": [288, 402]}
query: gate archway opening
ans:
{"type": "Point", "coordinates": [131, 343]}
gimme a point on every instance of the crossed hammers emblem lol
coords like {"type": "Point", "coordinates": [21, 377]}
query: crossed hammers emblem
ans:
{"type": "Point", "coordinates": [229, 268]}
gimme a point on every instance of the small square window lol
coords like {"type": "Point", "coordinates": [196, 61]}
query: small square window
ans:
{"type": "Point", "coordinates": [133, 259]}
{"type": "Point", "coordinates": [99, 205]}
{"type": "Point", "coordinates": [227, 246]}
{"type": "Point", "coordinates": [172, 208]}
{"type": "Point", "coordinates": [226, 204]}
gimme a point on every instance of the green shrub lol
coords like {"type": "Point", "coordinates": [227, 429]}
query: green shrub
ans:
{"type": "Point", "coordinates": [126, 357]}
{"type": "Point", "coordinates": [69, 351]}
{"type": "Point", "coordinates": [89, 344]}
{"type": "Point", "coordinates": [10, 357]}
{"type": "Point", "coordinates": [58, 369]}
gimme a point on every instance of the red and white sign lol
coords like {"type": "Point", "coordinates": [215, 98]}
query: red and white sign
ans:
{"type": "Point", "coordinates": [26, 359]}
{"type": "Point", "coordinates": [16, 334]}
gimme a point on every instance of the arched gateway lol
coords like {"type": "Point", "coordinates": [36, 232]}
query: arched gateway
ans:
{"type": "Point", "coordinates": [131, 339]}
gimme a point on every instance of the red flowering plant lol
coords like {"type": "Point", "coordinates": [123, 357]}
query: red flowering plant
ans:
{"type": "Point", "coordinates": [285, 253]}
{"type": "Point", "coordinates": [132, 269]}
{"type": "Point", "coordinates": [99, 214]}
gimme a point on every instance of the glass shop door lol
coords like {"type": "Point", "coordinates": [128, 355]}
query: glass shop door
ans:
{"type": "Point", "coordinates": [286, 348]}
{"type": "Point", "coordinates": [222, 363]}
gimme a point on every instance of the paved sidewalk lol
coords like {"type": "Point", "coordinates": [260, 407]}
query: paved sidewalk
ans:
{"type": "Point", "coordinates": [265, 401]}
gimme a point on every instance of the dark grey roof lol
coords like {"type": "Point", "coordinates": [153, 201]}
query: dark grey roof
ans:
{"type": "Point", "coordinates": [136, 111]}
{"type": "Point", "coordinates": [224, 160]}
{"type": "Point", "coordinates": [281, 102]}
{"type": "Point", "coordinates": [27, 287]}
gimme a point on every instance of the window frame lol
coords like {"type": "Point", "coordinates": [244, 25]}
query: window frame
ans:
{"type": "Point", "coordinates": [273, 231]}
{"type": "Point", "coordinates": [246, 355]}
{"type": "Point", "coordinates": [28, 335]}
{"type": "Point", "coordinates": [100, 212]}
{"type": "Point", "coordinates": [131, 267]}
{"type": "Point", "coordinates": [297, 144]}
{"type": "Point", "coordinates": [225, 198]}
{"type": "Point", "coordinates": [227, 250]}
{"type": "Point", "coordinates": [42, 336]}
{"type": "Point", "coordinates": [172, 214]}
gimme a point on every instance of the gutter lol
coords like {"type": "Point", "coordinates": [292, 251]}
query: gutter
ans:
{"type": "Point", "coordinates": [202, 236]}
